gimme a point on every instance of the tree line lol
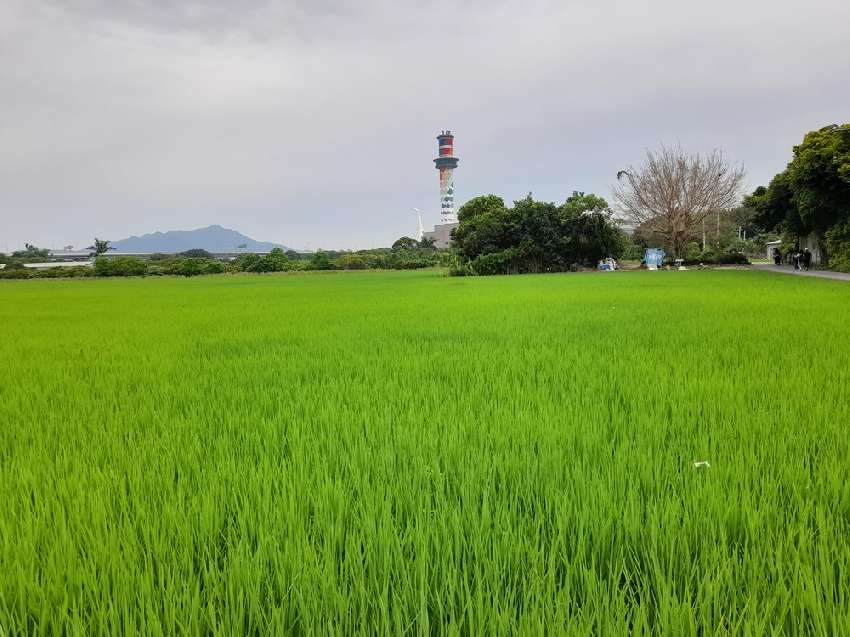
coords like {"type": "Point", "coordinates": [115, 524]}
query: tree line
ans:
{"type": "Point", "coordinates": [690, 204]}
{"type": "Point", "coordinates": [811, 196]}
{"type": "Point", "coordinates": [534, 236]}
{"type": "Point", "coordinates": [406, 254]}
{"type": "Point", "coordinates": [678, 199]}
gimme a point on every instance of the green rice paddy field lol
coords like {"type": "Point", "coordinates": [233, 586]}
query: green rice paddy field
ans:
{"type": "Point", "coordinates": [405, 453]}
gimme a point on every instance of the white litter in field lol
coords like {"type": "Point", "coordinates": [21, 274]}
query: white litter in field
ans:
{"type": "Point", "coordinates": [699, 464]}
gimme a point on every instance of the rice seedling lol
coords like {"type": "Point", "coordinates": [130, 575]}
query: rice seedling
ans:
{"type": "Point", "coordinates": [403, 453]}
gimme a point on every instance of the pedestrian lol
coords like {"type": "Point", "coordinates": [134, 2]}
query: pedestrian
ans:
{"type": "Point", "coordinates": [795, 259]}
{"type": "Point", "coordinates": [777, 257]}
{"type": "Point", "coordinates": [807, 258]}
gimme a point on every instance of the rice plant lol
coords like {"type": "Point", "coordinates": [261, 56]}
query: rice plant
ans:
{"type": "Point", "coordinates": [404, 453]}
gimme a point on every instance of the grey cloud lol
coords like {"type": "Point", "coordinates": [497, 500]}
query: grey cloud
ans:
{"type": "Point", "coordinates": [312, 123]}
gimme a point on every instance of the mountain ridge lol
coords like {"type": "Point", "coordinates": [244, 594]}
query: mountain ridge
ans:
{"type": "Point", "coordinates": [213, 238]}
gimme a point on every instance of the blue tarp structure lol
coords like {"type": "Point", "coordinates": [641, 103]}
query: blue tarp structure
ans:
{"type": "Point", "coordinates": [653, 257]}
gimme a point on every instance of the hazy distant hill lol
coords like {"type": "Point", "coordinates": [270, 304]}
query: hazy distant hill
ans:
{"type": "Point", "coordinates": [211, 238]}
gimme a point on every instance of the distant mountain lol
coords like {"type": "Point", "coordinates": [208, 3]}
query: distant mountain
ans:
{"type": "Point", "coordinates": [211, 238]}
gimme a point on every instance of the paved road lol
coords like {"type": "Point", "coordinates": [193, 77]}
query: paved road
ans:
{"type": "Point", "coordinates": [788, 269]}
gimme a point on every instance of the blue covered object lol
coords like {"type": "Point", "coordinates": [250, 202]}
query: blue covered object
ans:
{"type": "Point", "coordinates": [653, 257]}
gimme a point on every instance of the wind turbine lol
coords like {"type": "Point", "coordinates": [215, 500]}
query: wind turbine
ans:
{"type": "Point", "coordinates": [421, 227]}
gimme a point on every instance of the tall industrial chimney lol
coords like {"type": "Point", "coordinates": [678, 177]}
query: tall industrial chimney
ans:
{"type": "Point", "coordinates": [446, 162]}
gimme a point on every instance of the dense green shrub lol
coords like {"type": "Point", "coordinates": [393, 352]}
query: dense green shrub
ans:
{"type": "Point", "coordinates": [410, 259]}
{"type": "Point", "coordinates": [119, 266]}
{"type": "Point", "coordinates": [351, 262]}
{"type": "Point", "coordinates": [246, 261]}
{"type": "Point", "coordinates": [214, 267]}
{"type": "Point", "coordinates": [20, 272]}
{"type": "Point", "coordinates": [16, 273]}
{"type": "Point", "coordinates": [732, 258]}
{"type": "Point", "coordinates": [321, 260]}
{"type": "Point", "coordinates": [710, 257]}
{"type": "Point", "coordinates": [508, 261]}
{"type": "Point", "coordinates": [64, 272]}
{"type": "Point", "coordinates": [191, 267]}
{"type": "Point", "coordinates": [838, 247]}
{"type": "Point", "coordinates": [693, 252]}
{"type": "Point", "coordinates": [265, 264]}
{"type": "Point", "coordinates": [536, 236]}
{"type": "Point", "coordinates": [631, 250]}
{"type": "Point", "coordinates": [460, 268]}
{"type": "Point", "coordinates": [275, 261]}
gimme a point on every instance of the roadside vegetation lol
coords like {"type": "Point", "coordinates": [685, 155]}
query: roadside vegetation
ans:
{"type": "Point", "coordinates": [811, 196]}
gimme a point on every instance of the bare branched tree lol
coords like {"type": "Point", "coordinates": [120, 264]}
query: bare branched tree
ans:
{"type": "Point", "coordinates": [674, 191]}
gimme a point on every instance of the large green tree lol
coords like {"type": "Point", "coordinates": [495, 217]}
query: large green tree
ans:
{"type": "Point", "coordinates": [535, 236]}
{"type": "Point", "coordinates": [405, 243]}
{"type": "Point", "coordinates": [812, 194]}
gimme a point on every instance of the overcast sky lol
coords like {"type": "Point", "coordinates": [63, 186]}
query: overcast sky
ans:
{"type": "Point", "coordinates": [312, 123]}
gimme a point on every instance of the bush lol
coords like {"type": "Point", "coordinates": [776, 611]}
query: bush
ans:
{"type": "Point", "coordinates": [709, 257]}
{"type": "Point", "coordinates": [64, 272]}
{"type": "Point", "coordinates": [246, 261]}
{"type": "Point", "coordinates": [16, 273]}
{"type": "Point", "coordinates": [838, 247]}
{"type": "Point", "coordinates": [732, 258]}
{"type": "Point", "coordinates": [320, 261]}
{"type": "Point", "coordinates": [119, 266]}
{"type": "Point", "coordinates": [502, 262]}
{"type": "Point", "coordinates": [214, 267]}
{"type": "Point", "coordinates": [351, 262]}
{"type": "Point", "coordinates": [631, 251]}
{"type": "Point", "coordinates": [693, 251]}
{"type": "Point", "coordinates": [275, 261]}
{"type": "Point", "coordinates": [461, 269]}
{"type": "Point", "coordinates": [191, 267]}
{"type": "Point", "coordinates": [171, 266]}
{"type": "Point", "coordinates": [265, 264]}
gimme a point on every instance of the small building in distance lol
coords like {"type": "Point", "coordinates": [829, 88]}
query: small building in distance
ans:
{"type": "Point", "coordinates": [69, 254]}
{"type": "Point", "coordinates": [441, 234]}
{"type": "Point", "coordinates": [809, 242]}
{"type": "Point", "coordinates": [58, 264]}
